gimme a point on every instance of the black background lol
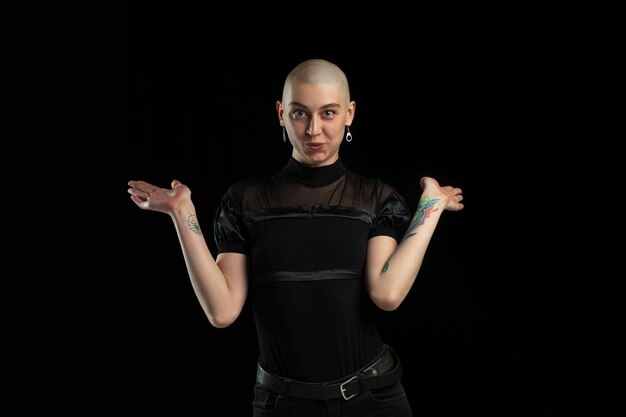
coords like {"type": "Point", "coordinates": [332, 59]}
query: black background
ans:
{"type": "Point", "coordinates": [515, 309]}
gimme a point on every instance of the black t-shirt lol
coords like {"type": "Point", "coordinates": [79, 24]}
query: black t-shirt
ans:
{"type": "Point", "coordinates": [305, 232]}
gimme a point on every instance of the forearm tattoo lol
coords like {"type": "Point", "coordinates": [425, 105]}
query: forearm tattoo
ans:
{"type": "Point", "coordinates": [424, 208]}
{"type": "Point", "coordinates": [192, 221]}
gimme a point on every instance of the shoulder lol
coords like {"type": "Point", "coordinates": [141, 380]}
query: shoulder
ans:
{"type": "Point", "coordinates": [238, 189]}
{"type": "Point", "coordinates": [246, 188]}
{"type": "Point", "coordinates": [374, 185]}
{"type": "Point", "coordinates": [241, 185]}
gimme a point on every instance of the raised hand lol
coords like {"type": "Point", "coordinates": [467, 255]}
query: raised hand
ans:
{"type": "Point", "coordinates": [150, 197]}
{"type": "Point", "coordinates": [451, 197]}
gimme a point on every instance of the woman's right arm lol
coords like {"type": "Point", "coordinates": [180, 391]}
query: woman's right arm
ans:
{"type": "Point", "coordinates": [219, 283]}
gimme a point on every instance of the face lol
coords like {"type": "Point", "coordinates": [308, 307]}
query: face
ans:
{"type": "Point", "coordinates": [315, 117]}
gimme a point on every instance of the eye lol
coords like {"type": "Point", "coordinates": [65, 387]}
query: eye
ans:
{"type": "Point", "coordinates": [298, 114]}
{"type": "Point", "coordinates": [329, 113]}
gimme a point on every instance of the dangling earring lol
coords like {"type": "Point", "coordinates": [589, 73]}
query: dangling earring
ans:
{"type": "Point", "coordinates": [284, 135]}
{"type": "Point", "coordinates": [348, 134]}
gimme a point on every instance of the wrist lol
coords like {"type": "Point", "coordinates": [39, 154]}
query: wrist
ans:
{"type": "Point", "coordinates": [183, 210]}
{"type": "Point", "coordinates": [427, 207]}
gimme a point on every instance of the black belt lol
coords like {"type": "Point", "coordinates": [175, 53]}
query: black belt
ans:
{"type": "Point", "coordinates": [383, 372]}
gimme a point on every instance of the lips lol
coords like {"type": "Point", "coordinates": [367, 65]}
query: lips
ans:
{"type": "Point", "coordinates": [314, 146]}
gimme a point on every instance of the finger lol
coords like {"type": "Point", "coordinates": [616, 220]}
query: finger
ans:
{"type": "Point", "coordinates": [140, 202]}
{"type": "Point", "coordinates": [138, 193]}
{"type": "Point", "coordinates": [143, 186]}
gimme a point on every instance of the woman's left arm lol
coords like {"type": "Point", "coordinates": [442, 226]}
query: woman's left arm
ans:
{"type": "Point", "coordinates": [391, 267]}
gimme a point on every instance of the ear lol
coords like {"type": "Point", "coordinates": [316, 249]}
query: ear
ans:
{"type": "Point", "coordinates": [281, 112]}
{"type": "Point", "coordinates": [350, 113]}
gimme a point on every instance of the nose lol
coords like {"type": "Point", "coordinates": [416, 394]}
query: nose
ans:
{"type": "Point", "coordinates": [315, 126]}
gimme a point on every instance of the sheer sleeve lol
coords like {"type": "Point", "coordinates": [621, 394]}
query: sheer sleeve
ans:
{"type": "Point", "coordinates": [228, 227]}
{"type": "Point", "coordinates": [392, 218]}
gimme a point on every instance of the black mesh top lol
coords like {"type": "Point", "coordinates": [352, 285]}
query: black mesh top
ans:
{"type": "Point", "coordinates": [305, 231]}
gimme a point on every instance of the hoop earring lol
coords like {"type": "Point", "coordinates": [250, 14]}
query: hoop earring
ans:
{"type": "Point", "coordinates": [348, 134]}
{"type": "Point", "coordinates": [284, 135]}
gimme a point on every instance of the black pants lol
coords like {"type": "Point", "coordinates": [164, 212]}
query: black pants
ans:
{"type": "Point", "coordinates": [388, 401]}
{"type": "Point", "coordinates": [383, 402]}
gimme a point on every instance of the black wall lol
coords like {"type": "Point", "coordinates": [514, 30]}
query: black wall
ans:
{"type": "Point", "coordinates": [515, 307]}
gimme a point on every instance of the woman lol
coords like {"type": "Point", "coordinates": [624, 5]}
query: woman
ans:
{"type": "Point", "coordinates": [316, 247]}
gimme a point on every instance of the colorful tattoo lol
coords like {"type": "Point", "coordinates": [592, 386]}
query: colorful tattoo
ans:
{"type": "Point", "coordinates": [424, 208]}
{"type": "Point", "coordinates": [386, 267]}
{"type": "Point", "coordinates": [192, 221]}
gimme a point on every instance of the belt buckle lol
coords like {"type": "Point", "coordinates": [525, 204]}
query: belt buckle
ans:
{"type": "Point", "coordinates": [343, 390]}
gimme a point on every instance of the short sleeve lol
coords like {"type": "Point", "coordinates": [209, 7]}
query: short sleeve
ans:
{"type": "Point", "coordinates": [392, 218]}
{"type": "Point", "coordinates": [228, 227]}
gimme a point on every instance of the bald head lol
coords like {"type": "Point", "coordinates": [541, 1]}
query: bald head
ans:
{"type": "Point", "coordinates": [315, 72]}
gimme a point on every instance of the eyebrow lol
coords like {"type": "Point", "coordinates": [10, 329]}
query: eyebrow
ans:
{"type": "Point", "coordinates": [326, 106]}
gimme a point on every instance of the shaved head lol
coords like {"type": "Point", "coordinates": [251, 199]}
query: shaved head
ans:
{"type": "Point", "coordinates": [315, 72]}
